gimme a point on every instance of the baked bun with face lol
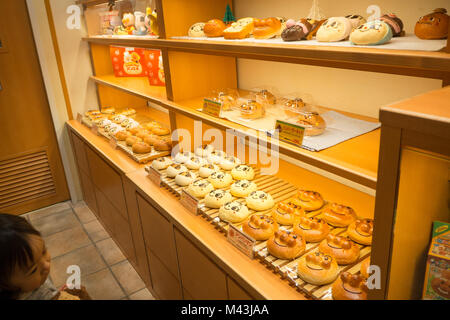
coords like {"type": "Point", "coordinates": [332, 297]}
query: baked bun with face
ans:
{"type": "Point", "coordinates": [174, 169]}
{"type": "Point", "coordinates": [287, 212]}
{"type": "Point", "coordinates": [312, 229]}
{"type": "Point", "coordinates": [220, 179]}
{"type": "Point", "coordinates": [259, 201]}
{"type": "Point", "coordinates": [260, 227]}
{"type": "Point", "coordinates": [313, 123]}
{"type": "Point", "coordinates": [334, 29]}
{"type": "Point", "coordinates": [266, 28]}
{"type": "Point", "coordinates": [185, 178]}
{"type": "Point", "coordinates": [338, 215]}
{"type": "Point", "coordinates": [252, 110]}
{"type": "Point", "coordinates": [242, 188]}
{"type": "Point", "coordinates": [361, 231]}
{"type": "Point", "coordinates": [200, 188]}
{"type": "Point", "coordinates": [349, 287]}
{"type": "Point", "coordinates": [183, 157]}
{"type": "Point", "coordinates": [216, 156]}
{"type": "Point", "coordinates": [286, 245]}
{"type": "Point", "coordinates": [433, 25]}
{"type": "Point", "coordinates": [204, 151]}
{"type": "Point", "coordinates": [395, 23]}
{"type": "Point", "coordinates": [233, 212]}
{"type": "Point", "coordinates": [207, 169]}
{"type": "Point", "coordinates": [197, 30]}
{"type": "Point", "coordinates": [309, 200]}
{"type": "Point", "coordinates": [194, 163]}
{"type": "Point", "coordinates": [441, 285]}
{"type": "Point", "coordinates": [240, 29]}
{"type": "Point", "coordinates": [161, 163]}
{"type": "Point", "coordinates": [372, 33]}
{"type": "Point", "coordinates": [214, 28]}
{"type": "Point", "coordinates": [228, 163]}
{"type": "Point", "coordinates": [356, 20]}
{"type": "Point", "coordinates": [317, 268]}
{"type": "Point", "coordinates": [365, 268]}
{"type": "Point", "coordinates": [243, 172]}
{"type": "Point", "coordinates": [296, 30]}
{"type": "Point", "coordinates": [216, 198]}
{"type": "Point", "coordinates": [342, 248]}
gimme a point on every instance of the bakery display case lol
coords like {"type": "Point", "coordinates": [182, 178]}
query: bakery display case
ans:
{"type": "Point", "coordinates": [362, 181]}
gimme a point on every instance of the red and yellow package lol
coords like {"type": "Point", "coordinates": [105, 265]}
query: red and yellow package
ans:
{"type": "Point", "coordinates": [128, 62]}
{"type": "Point", "coordinates": [155, 67]}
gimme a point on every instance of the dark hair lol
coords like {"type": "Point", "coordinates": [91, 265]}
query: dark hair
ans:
{"type": "Point", "coordinates": [15, 250]}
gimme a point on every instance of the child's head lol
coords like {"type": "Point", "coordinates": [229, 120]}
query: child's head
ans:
{"type": "Point", "coordinates": [24, 260]}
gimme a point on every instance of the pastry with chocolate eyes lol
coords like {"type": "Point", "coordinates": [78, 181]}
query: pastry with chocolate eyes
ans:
{"type": "Point", "coordinates": [287, 212]}
{"type": "Point", "coordinates": [349, 287]}
{"type": "Point", "coordinates": [371, 33]}
{"type": "Point", "coordinates": [161, 163]}
{"type": "Point", "coordinates": [260, 227]}
{"type": "Point", "coordinates": [342, 248]}
{"type": "Point", "coordinates": [204, 150]}
{"type": "Point", "coordinates": [119, 118]}
{"type": "Point", "coordinates": [183, 157]}
{"type": "Point", "coordinates": [338, 215]}
{"type": "Point", "coordinates": [196, 30]}
{"type": "Point", "coordinates": [194, 163]}
{"type": "Point", "coordinates": [312, 229]}
{"type": "Point", "coordinates": [216, 198]}
{"type": "Point", "coordinates": [233, 212]}
{"type": "Point", "coordinates": [334, 29]}
{"type": "Point", "coordinates": [243, 172]}
{"type": "Point", "coordinates": [207, 169]}
{"type": "Point", "coordinates": [200, 188]}
{"type": "Point", "coordinates": [216, 156]}
{"type": "Point", "coordinates": [365, 268]}
{"type": "Point", "coordinates": [313, 123]}
{"type": "Point", "coordinates": [220, 179]}
{"type": "Point", "coordinates": [286, 245]}
{"type": "Point", "coordinates": [318, 268]}
{"type": "Point", "coordinates": [252, 110]}
{"type": "Point", "coordinates": [174, 169]}
{"type": "Point", "coordinates": [259, 201]}
{"type": "Point", "coordinates": [356, 20]}
{"type": "Point", "coordinates": [361, 231]}
{"type": "Point", "coordinates": [433, 25]}
{"type": "Point", "coordinates": [228, 163]}
{"type": "Point", "coordinates": [185, 178]}
{"type": "Point", "coordinates": [242, 188]}
{"type": "Point", "coordinates": [309, 200]}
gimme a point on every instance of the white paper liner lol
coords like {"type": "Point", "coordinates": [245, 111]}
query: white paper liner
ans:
{"type": "Point", "coordinates": [116, 36]}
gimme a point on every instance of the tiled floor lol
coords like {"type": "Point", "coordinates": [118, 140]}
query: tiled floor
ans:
{"type": "Point", "coordinates": [74, 236]}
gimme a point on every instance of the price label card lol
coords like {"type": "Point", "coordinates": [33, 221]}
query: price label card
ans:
{"type": "Point", "coordinates": [94, 129]}
{"type": "Point", "coordinates": [189, 202]}
{"type": "Point", "coordinates": [290, 132]}
{"type": "Point", "coordinates": [79, 117]}
{"type": "Point", "coordinates": [213, 108]}
{"type": "Point", "coordinates": [241, 241]}
{"type": "Point", "coordinates": [113, 143]}
{"type": "Point", "coordinates": [154, 175]}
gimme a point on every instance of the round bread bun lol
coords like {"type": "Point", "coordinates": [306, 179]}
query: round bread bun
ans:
{"type": "Point", "coordinates": [194, 163]}
{"type": "Point", "coordinates": [207, 169]}
{"type": "Point", "coordinates": [160, 131]}
{"type": "Point", "coordinates": [214, 28]}
{"type": "Point", "coordinates": [204, 151]}
{"type": "Point", "coordinates": [220, 179]}
{"type": "Point", "coordinates": [174, 169]}
{"type": "Point", "coordinates": [334, 29]}
{"type": "Point", "coordinates": [318, 268]}
{"type": "Point", "coordinates": [286, 245]}
{"type": "Point", "coordinates": [349, 287]}
{"type": "Point", "coordinates": [135, 130]}
{"type": "Point", "coordinates": [200, 188]}
{"type": "Point", "coordinates": [287, 212]}
{"type": "Point", "coordinates": [216, 156]}
{"type": "Point", "coordinates": [151, 125]}
{"type": "Point", "coordinates": [162, 145]}
{"type": "Point", "coordinates": [151, 139]}
{"type": "Point", "coordinates": [196, 30]}
{"type": "Point", "coordinates": [433, 25]}
{"type": "Point", "coordinates": [365, 268]}
{"type": "Point", "coordinates": [259, 201]}
{"type": "Point", "coordinates": [260, 227]}
{"type": "Point", "coordinates": [267, 97]}
{"type": "Point", "coordinates": [141, 147]}
{"type": "Point", "coordinates": [309, 200]}
{"type": "Point", "coordinates": [233, 212]}
{"type": "Point", "coordinates": [142, 133]}
{"type": "Point", "coordinates": [122, 135]}
{"type": "Point", "coordinates": [338, 215]}
{"type": "Point", "coordinates": [266, 28]}
{"type": "Point", "coordinates": [372, 33]}
{"type": "Point", "coordinates": [128, 111]}
{"type": "Point", "coordinates": [243, 172]}
{"type": "Point", "coordinates": [131, 140]}
{"type": "Point", "coordinates": [312, 229]}
{"type": "Point", "coordinates": [161, 163]}
{"type": "Point", "coordinates": [118, 118]}
{"type": "Point", "coordinates": [313, 123]}
{"type": "Point", "coordinates": [228, 163]}
{"type": "Point", "coordinates": [361, 231]}
{"type": "Point", "coordinates": [183, 157]}
{"type": "Point", "coordinates": [185, 178]}
{"type": "Point", "coordinates": [242, 188]}
{"type": "Point", "coordinates": [101, 123]}
{"type": "Point", "coordinates": [216, 198]}
{"type": "Point", "coordinates": [342, 248]}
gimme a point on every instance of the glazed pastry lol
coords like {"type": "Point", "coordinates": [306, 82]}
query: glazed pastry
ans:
{"type": "Point", "coordinates": [131, 140]}
{"type": "Point", "coordinates": [122, 135]}
{"type": "Point", "coordinates": [252, 110]}
{"type": "Point", "coordinates": [365, 268]}
{"type": "Point", "coordinates": [227, 100]}
{"type": "Point", "coordinates": [286, 245]}
{"type": "Point", "coordinates": [142, 133]}
{"type": "Point", "coordinates": [228, 163]}
{"type": "Point", "coordinates": [342, 248]}
{"type": "Point", "coordinates": [334, 29]}
{"type": "Point", "coordinates": [197, 30]}
{"type": "Point", "coordinates": [132, 124]}
{"type": "Point", "coordinates": [216, 157]}
{"type": "Point", "coordinates": [361, 231]}
{"type": "Point", "coordinates": [313, 123]}
{"type": "Point", "coordinates": [296, 31]}
{"type": "Point", "coordinates": [118, 118]}
{"type": "Point", "coordinates": [216, 198]}
{"type": "Point", "coordinates": [161, 163]}
{"type": "Point", "coordinates": [185, 178]}
{"type": "Point", "coordinates": [266, 97]}
{"type": "Point", "coordinates": [114, 128]}
{"type": "Point", "coordinates": [260, 227]}
{"type": "Point", "coordinates": [240, 29]}
{"type": "Point", "coordinates": [160, 131]}
{"type": "Point", "coordinates": [134, 131]}
{"type": "Point", "coordinates": [200, 188]}
{"type": "Point", "coordinates": [318, 268]}
{"type": "Point", "coordinates": [214, 28]}
{"type": "Point", "coordinates": [220, 179]}
{"type": "Point", "coordinates": [204, 151]}
{"type": "Point", "coordinates": [125, 122]}
{"type": "Point", "coordinates": [349, 287]}
{"type": "Point", "coordinates": [243, 171]}
{"type": "Point", "coordinates": [259, 201]}
{"type": "Point", "coordinates": [372, 33]}
{"type": "Point", "coordinates": [174, 169]}
{"type": "Point", "coordinates": [433, 25]}
{"type": "Point", "coordinates": [312, 229]}
{"type": "Point", "coordinates": [141, 147]}
{"type": "Point", "coordinates": [287, 212]}
{"type": "Point", "coordinates": [91, 113]}
{"type": "Point", "coordinates": [162, 145]}
{"type": "Point", "coordinates": [309, 200]}
{"type": "Point", "coordinates": [242, 188]}
{"type": "Point", "coordinates": [266, 28]}
{"type": "Point", "coordinates": [338, 215]}
{"type": "Point", "coordinates": [233, 212]}
{"type": "Point", "coordinates": [102, 122]}
{"type": "Point", "coordinates": [356, 20]}
{"type": "Point", "coordinates": [183, 157]}
{"type": "Point", "coordinates": [207, 169]}
{"type": "Point", "coordinates": [293, 107]}
{"type": "Point", "coordinates": [194, 163]}
{"type": "Point", "coordinates": [395, 23]}
{"type": "Point", "coordinates": [316, 24]}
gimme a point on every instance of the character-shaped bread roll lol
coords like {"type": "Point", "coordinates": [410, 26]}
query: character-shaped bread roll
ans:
{"type": "Point", "coordinates": [433, 25]}
{"type": "Point", "coordinates": [243, 172]}
{"type": "Point", "coordinates": [349, 287]}
{"type": "Point", "coordinates": [200, 188]}
{"type": "Point", "coordinates": [259, 201]}
{"type": "Point", "coordinates": [361, 231]}
{"type": "Point", "coordinates": [309, 200]}
{"type": "Point", "coordinates": [312, 229]}
{"type": "Point", "coordinates": [233, 212]}
{"type": "Point", "coordinates": [287, 212]}
{"type": "Point", "coordinates": [339, 215]}
{"type": "Point", "coordinates": [318, 268]}
{"type": "Point", "coordinates": [286, 245]}
{"type": "Point", "coordinates": [342, 248]}
{"type": "Point", "coordinates": [260, 227]}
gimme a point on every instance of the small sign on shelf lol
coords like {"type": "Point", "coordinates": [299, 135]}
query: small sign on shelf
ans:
{"type": "Point", "coordinates": [79, 117]}
{"type": "Point", "coordinates": [189, 202]}
{"type": "Point", "coordinates": [290, 132]}
{"type": "Point", "coordinates": [241, 241]}
{"type": "Point", "coordinates": [213, 108]}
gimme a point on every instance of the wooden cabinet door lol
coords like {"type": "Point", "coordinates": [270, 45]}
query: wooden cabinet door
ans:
{"type": "Point", "coordinates": [31, 170]}
{"type": "Point", "coordinates": [166, 286]}
{"type": "Point", "coordinates": [236, 292]}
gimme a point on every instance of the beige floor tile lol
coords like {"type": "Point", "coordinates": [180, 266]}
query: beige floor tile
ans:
{"type": "Point", "coordinates": [102, 286]}
{"type": "Point", "coordinates": [66, 241]}
{"type": "Point", "coordinates": [87, 258]}
{"type": "Point", "coordinates": [143, 294]}
{"type": "Point", "coordinates": [55, 222]}
{"type": "Point", "coordinates": [84, 214]}
{"type": "Point", "coordinates": [127, 277]}
{"type": "Point", "coordinates": [110, 251]}
{"type": "Point", "coordinates": [96, 231]}
{"type": "Point", "coordinates": [78, 204]}
{"type": "Point", "coordinates": [41, 213]}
